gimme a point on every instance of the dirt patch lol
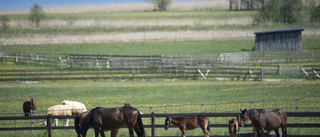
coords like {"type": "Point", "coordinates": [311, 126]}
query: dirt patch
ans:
{"type": "Point", "coordinates": [127, 37]}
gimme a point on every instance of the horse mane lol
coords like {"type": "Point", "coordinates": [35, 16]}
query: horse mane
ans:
{"type": "Point", "coordinates": [251, 112]}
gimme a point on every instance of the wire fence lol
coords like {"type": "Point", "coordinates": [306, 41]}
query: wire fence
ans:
{"type": "Point", "coordinates": [303, 104]}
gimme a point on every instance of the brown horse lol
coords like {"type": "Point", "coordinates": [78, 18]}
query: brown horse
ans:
{"type": "Point", "coordinates": [233, 127]}
{"type": "Point", "coordinates": [189, 123]}
{"type": "Point", "coordinates": [265, 120]}
{"type": "Point", "coordinates": [28, 106]}
{"type": "Point", "coordinates": [112, 119]}
{"type": "Point", "coordinates": [79, 118]}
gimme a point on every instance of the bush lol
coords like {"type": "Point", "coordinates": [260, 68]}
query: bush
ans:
{"type": "Point", "coordinates": [315, 14]}
{"type": "Point", "coordinates": [281, 11]}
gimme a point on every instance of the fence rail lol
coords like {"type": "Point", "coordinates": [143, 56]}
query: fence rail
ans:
{"type": "Point", "coordinates": [153, 116]}
{"type": "Point", "coordinates": [230, 65]}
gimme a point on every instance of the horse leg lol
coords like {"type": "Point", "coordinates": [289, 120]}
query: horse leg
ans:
{"type": "Point", "coordinates": [183, 132]}
{"type": "Point", "coordinates": [114, 133]}
{"type": "Point", "coordinates": [204, 129]}
{"type": "Point", "coordinates": [131, 132]}
{"type": "Point", "coordinates": [277, 132]}
{"type": "Point", "coordinates": [56, 121]}
{"type": "Point", "coordinates": [67, 122]}
{"type": "Point", "coordinates": [101, 132]}
{"type": "Point", "coordinates": [284, 131]}
{"type": "Point", "coordinates": [262, 132]}
{"type": "Point", "coordinates": [96, 133]}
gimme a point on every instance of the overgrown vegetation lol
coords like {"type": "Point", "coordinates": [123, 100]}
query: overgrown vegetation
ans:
{"type": "Point", "coordinates": [287, 11]}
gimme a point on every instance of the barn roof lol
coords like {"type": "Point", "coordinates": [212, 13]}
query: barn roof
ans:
{"type": "Point", "coordinates": [280, 30]}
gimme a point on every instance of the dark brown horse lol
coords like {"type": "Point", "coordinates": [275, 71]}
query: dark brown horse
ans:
{"type": "Point", "coordinates": [189, 123]}
{"type": "Point", "coordinates": [79, 118]}
{"type": "Point", "coordinates": [28, 106]}
{"type": "Point", "coordinates": [265, 120]}
{"type": "Point", "coordinates": [112, 119]}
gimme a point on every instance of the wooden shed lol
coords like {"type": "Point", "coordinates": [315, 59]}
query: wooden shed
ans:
{"type": "Point", "coordinates": [282, 39]}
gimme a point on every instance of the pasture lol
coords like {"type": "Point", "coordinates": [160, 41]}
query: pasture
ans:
{"type": "Point", "coordinates": [82, 28]}
{"type": "Point", "coordinates": [143, 94]}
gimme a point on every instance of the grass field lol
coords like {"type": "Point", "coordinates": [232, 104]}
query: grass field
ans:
{"type": "Point", "coordinates": [145, 94]}
{"type": "Point", "coordinates": [150, 92]}
{"type": "Point", "coordinates": [187, 47]}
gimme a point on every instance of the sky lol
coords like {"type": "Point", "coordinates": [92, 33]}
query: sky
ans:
{"type": "Point", "coordinates": [26, 4]}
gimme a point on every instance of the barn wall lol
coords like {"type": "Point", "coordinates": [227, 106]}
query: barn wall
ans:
{"type": "Point", "coordinates": [282, 40]}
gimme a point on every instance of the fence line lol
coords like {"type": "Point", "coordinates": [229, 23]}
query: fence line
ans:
{"type": "Point", "coordinates": [153, 125]}
{"type": "Point", "coordinates": [303, 104]}
{"type": "Point", "coordinates": [230, 65]}
{"type": "Point", "coordinates": [114, 61]}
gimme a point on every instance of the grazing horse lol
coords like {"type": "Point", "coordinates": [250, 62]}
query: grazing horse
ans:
{"type": "Point", "coordinates": [58, 110]}
{"type": "Point", "coordinates": [265, 120]}
{"type": "Point", "coordinates": [189, 123]}
{"type": "Point", "coordinates": [28, 106]}
{"type": "Point", "coordinates": [233, 127]}
{"type": "Point", "coordinates": [79, 118]}
{"type": "Point", "coordinates": [112, 119]}
{"type": "Point", "coordinates": [76, 106]}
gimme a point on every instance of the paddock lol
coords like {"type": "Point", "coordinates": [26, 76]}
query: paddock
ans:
{"type": "Point", "coordinates": [152, 126]}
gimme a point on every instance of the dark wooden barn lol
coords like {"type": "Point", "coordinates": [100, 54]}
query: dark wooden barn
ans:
{"type": "Point", "coordinates": [282, 39]}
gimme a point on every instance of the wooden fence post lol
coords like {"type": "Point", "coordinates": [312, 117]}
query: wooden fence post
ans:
{"type": "Point", "coordinates": [153, 131]}
{"type": "Point", "coordinates": [297, 105]}
{"type": "Point", "coordinates": [279, 69]}
{"type": "Point", "coordinates": [202, 107]}
{"type": "Point", "coordinates": [133, 73]}
{"type": "Point", "coordinates": [61, 73]}
{"type": "Point", "coordinates": [312, 74]}
{"type": "Point", "coordinates": [49, 125]}
{"type": "Point", "coordinates": [261, 71]}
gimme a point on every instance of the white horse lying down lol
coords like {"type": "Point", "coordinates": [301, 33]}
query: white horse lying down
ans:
{"type": "Point", "coordinates": [58, 110]}
{"type": "Point", "coordinates": [76, 107]}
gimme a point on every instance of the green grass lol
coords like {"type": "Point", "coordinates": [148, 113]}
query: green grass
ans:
{"type": "Point", "coordinates": [188, 47]}
{"type": "Point", "coordinates": [145, 94]}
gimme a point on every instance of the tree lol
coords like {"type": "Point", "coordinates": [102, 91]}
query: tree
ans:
{"type": "Point", "coordinates": [4, 22]}
{"type": "Point", "coordinates": [281, 11]}
{"type": "Point", "coordinates": [36, 14]}
{"type": "Point", "coordinates": [161, 5]}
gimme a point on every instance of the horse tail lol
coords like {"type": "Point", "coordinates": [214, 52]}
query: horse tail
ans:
{"type": "Point", "coordinates": [77, 124]}
{"type": "Point", "coordinates": [208, 126]}
{"type": "Point", "coordinates": [86, 123]}
{"type": "Point", "coordinates": [284, 121]}
{"type": "Point", "coordinates": [140, 125]}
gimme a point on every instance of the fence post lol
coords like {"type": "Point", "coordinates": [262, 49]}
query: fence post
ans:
{"type": "Point", "coordinates": [150, 109]}
{"type": "Point", "coordinates": [301, 70]}
{"type": "Point", "coordinates": [312, 73]}
{"type": "Point", "coordinates": [202, 107]}
{"type": "Point", "coordinates": [61, 73]}
{"type": "Point", "coordinates": [49, 125]}
{"type": "Point", "coordinates": [153, 131]}
{"type": "Point", "coordinates": [297, 105]}
{"type": "Point", "coordinates": [133, 73]}
{"type": "Point", "coordinates": [261, 71]}
{"type": "Point", "coordinates": [279, 69]}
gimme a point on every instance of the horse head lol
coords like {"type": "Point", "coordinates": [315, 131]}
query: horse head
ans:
{"type": "Point", "coordinates": [243, 117]}
{"type": "Point", "coordinates": [167, 123]}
